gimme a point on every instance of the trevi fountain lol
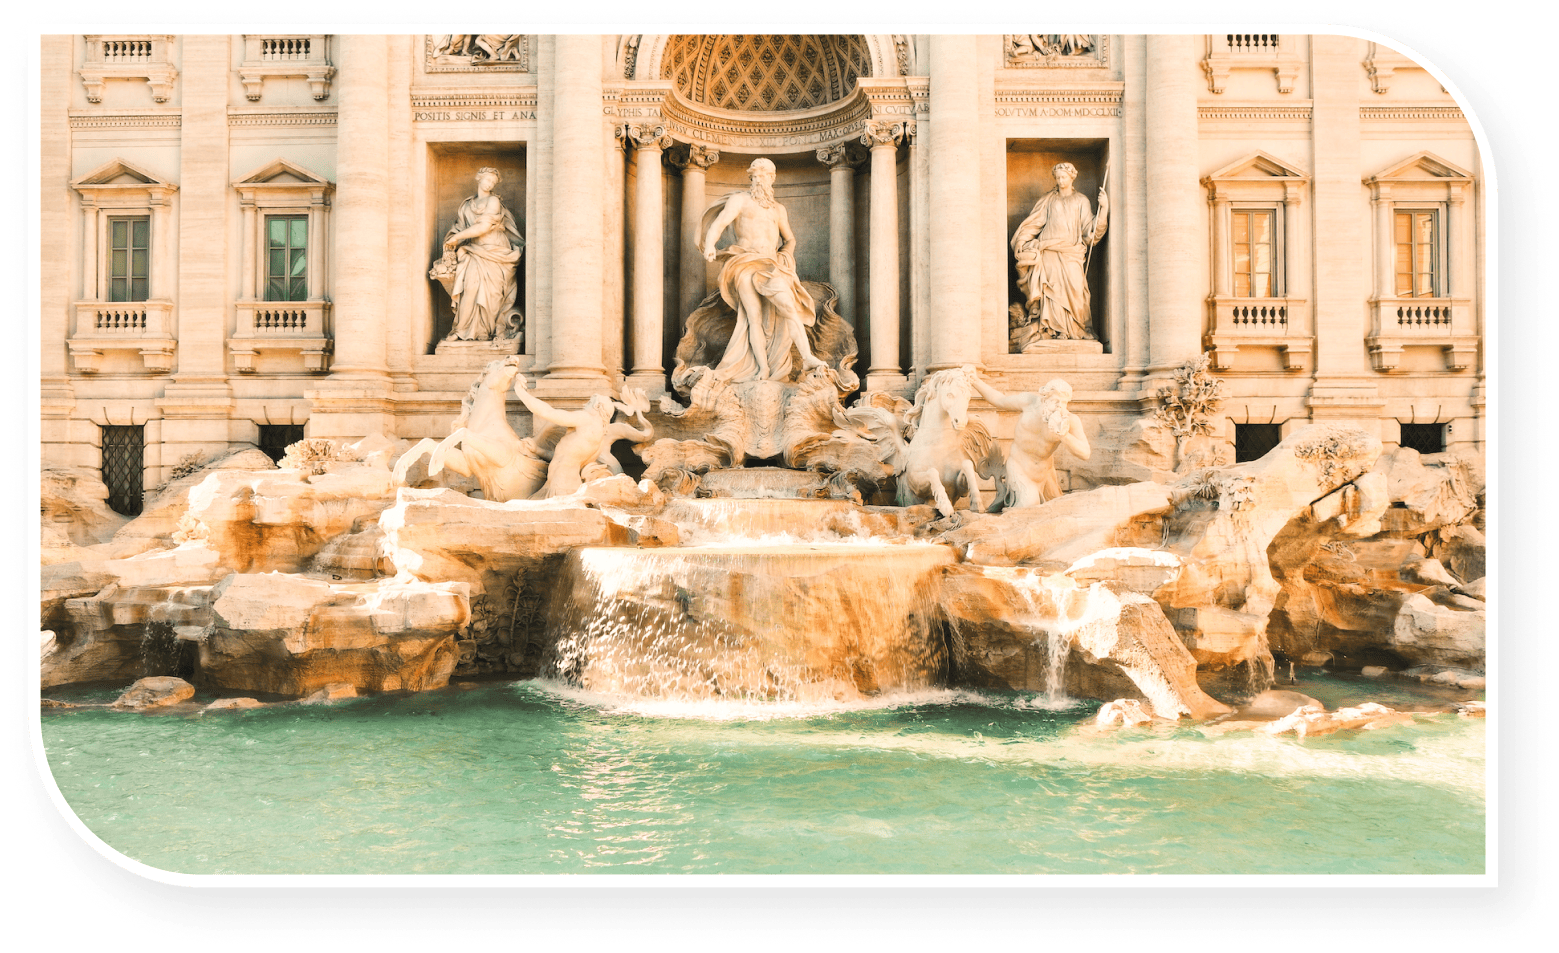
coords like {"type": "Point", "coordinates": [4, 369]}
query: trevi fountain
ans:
{"type": "Point", "coordinates": [775, 618]}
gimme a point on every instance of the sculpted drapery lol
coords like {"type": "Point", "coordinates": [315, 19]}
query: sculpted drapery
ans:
{"type": "Point", "coordinates": [486, 246]}
{"type": "Point", "coordinates": [1051, 250]}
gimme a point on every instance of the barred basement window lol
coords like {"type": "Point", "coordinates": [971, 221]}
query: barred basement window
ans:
{"type": "Point", "coordinates": [1425, 438]}
{"type": "Point", "coordinates": [1254, 441]}
{"type": "Point", "coordinates": [124, 468]}
{"type": "Point", "coordinates": [276, 438]}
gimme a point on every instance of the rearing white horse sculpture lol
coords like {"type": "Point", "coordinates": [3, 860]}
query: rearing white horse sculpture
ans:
{"type": "Point", "coordinates": [943, 454]}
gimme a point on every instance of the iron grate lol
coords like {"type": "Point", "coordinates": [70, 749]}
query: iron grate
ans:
{"type": "Point", "coordinates": [124, 468]}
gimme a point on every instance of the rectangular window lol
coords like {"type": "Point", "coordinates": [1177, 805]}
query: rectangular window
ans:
{"type": "Point", "coordinates": [286, 258]}
{"type": "Point", "coordinates": [1418, 254]}
{"type": "Point", "coordinates": [1425, 438]}
{"type": "Point", "coordinates": [1254, 441]}
{"type": "Point", "coordinates": [1255, 249]}
{"type": "Point", "coordinates": [129, 258]}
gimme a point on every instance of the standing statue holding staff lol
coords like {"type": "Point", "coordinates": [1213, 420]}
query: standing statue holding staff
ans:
{"type": "Point", "coordinates": [758, 279]}
{"type": "Point", "coordinates": [1052, 248]}
{"type": "Point", "coordinates": [1044, 426]}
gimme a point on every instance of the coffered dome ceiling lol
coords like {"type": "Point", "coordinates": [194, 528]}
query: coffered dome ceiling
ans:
{"type": "Point", "coordinates": [765, 73]}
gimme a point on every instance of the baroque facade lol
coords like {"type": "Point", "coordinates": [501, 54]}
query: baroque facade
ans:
{"type": "Point", "coordinates": [247, 237]}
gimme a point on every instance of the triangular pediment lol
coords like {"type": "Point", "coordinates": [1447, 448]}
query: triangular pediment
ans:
{"type": "Point", "coordinates": [120, 172]}
{"type": "Point", "coordinates": [1257, 165]}
{"type": "Point", "coordinates": [1425, 166]}
{"type": "Point", "coordinates": [281, 171]}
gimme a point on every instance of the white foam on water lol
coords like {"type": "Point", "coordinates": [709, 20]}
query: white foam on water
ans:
{"type": "Point", "coordinates": [733, 709]}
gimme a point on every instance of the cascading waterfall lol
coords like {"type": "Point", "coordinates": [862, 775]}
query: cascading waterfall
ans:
{"type": "Point", "coordinates": [778, 621]}
{"type": "Point", "coordinates": [1059, 610]}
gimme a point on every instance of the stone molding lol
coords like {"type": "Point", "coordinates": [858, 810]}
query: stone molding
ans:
{"type": "Point", "coordinates": [1412, 113]}
{"type": "Point", "coordinates": [281, 116]}
{"type": "Point", "coordinates": [1254, 112]}
{"type": "Point", "coordinates": [839, 156]}
{"type": "Point", "coordinates": [644, 135]}
{"type": "Point", "coordinates": [880, 133]}
{"type": "Point", "coordinates": [779, 132]}
{"type": "Point", "coordinates": [1022, 102]}
{"type": "Point", "coordinates": [125, 120]}
{"type": "Point", "coordinates": [521, 98]}
{"type": "Point", "coordinates": [1381, 64]}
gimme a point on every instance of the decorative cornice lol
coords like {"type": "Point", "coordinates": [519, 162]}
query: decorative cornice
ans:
{"type": "Point", "coordinates": [281, 116]}
{"type": "Point", "coordinates": [125, 120]}
{"type": "Point", "coordinates": [1411, 113]}
{"type": "Point", "coordinates": [523, 97]}
{"type": "Point", "coordinates": [885, 133]}
{"type": "Point", "coordinates": [1035, 101]}
{"type": "Point", "coordinates": [774, 132]}
{"type": "Point", "coordinates": [1254, 112]}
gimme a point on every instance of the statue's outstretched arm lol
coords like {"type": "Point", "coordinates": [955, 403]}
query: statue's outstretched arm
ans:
{"type": "Point", "coordinates": [995, 397]}
{"type": "Point", "coordinates": [543, 410]}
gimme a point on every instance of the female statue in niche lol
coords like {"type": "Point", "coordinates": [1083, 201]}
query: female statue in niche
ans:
{"type": "Point", "coordinates": [1051, 247]}
{"type": "Point", "coordinates": [481, 251]}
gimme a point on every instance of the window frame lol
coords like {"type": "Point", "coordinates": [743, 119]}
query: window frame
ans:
{"type": "Point", "coordinates": [289, 252]}
{"type": "Point", "coordinates": [111, 250]}
{"type": "Point", "coordinates": [1439, 286]}
{"type": "Point", "coordinates": [1279, 283]}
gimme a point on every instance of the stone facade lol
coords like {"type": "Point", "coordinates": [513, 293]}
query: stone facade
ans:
{"type": "Point", "coordinates": [1309, 209]}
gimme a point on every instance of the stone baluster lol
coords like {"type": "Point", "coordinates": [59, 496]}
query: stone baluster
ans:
{"type": "Point", "coordinates": [882, 289]}
{"type": "Point", "coordinates": [649, 277]}
{"type": "Point", "coordinates": [842, 163]}
{"type": "Point", "coordinates": [954, 213]}
{"type": "Point", "coordinates": [577, 217]}
{"type": "Point", "coordinates": [694, 278]}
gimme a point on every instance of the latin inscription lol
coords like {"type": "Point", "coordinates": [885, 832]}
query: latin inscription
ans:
{"type": "Point", "coordinates": [474, 115]}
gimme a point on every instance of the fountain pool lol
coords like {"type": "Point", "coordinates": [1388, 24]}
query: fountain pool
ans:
{"type": "Point", "coordinates": [502, 777]}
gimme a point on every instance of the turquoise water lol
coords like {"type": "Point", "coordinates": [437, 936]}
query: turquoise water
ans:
{"type": "Point", "coordinates": [522, 778]}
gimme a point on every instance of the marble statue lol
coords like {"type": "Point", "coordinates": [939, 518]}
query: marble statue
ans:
{"type": "Point", "coordinates": [1052, 247]}
{"type": "Point", "coordinates": [940, 462]}
{"type": "Point", "coordinates": [483, 445]}
{"type": "Point", "coordinates": [1048, 44]}
{"type": "Point", "coordinates": [481, 250]}
{"type": "Point", "coordinates": [1044, 426]}
{"type": "Point", "coordinates": [758, 279]}
{"type": "Point", "coordinates": [584, 450]}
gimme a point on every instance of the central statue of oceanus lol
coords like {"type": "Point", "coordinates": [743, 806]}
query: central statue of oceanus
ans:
{"type": "Point", "coordinates": [758, 279]}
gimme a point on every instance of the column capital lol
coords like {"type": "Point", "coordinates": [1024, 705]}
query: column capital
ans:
{"type": "Point", "coordinates": [839, 156]}
{"type": "Point", "coordinates": [696, 157]}
{"type": "Point", "coordinates": [879, 134]}
{"type": "Point", "coordinates": [644, 135]}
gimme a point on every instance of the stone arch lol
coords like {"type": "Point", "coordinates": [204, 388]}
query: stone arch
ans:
{"type": "Point", "coordinates": [875, 55]}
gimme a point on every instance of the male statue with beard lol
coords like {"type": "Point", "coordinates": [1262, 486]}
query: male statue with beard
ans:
{"type": "Point", "coordinates": [1044, 426]}
{"type": "Point", "coordinates": [758, 279]}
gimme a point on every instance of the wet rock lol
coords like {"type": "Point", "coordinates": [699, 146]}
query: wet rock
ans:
{"type": "Point", "coordinates": [1315, 720]}
{"type": "Point", "coordinates": [225, 704]}
{"type": "Point", "coordinates": [1426, 632]}
{"type": "Point", "coordinates": [55, 703]}
{"type": "Point", "coordinates": [335, 691]}
{"type": "Point", "coordinates": [1058, 533]}
{"type": "Point", "coordinates": [1373, 671]}
{"type": "Point", "coordinates": [1462, 549]}
{"type": "Point", "coordinates": [1122, 712]}
{"type": "Point", "coordinates": [155, 692]}
{"type": "Point", "coordinates": [1429, 492]}
{"type": "Point", "coordinates": [1472, 710]}
{"type": "Point", "coordinates": [102, 635]}
{"type": "Point", "coordinates": [74, 511]}
{"type": "Point", "coordinates": [1276, 703]}
{"type": "Point", "coordinates": [292, 635]}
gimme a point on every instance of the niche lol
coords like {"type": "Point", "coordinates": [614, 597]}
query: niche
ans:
{"type": "Point", "coordinates": [1029, 177]}
{"type": "Point", "coordinates": [454, 168]}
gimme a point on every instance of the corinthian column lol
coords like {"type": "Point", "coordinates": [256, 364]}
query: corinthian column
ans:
{"type": "Point", "coordinates": [577, 216]}
{"type": "Point", "coordinates": [882, 290]}
{"type": "Point", "coordinates": [694, 268]}
{"type": "Point", "coordinates": [649, 276]}
{"type": "Point", "coordinates": [841, 164]}
{"type": "Point", "coordinates": [954, 214]}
